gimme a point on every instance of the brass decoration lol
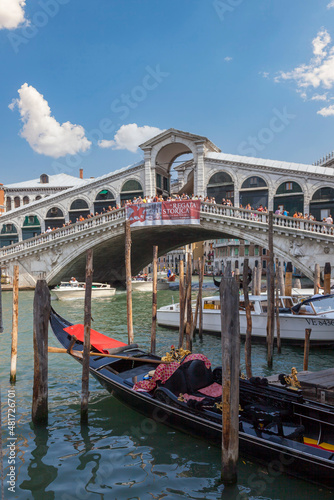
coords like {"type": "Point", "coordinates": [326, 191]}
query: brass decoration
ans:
{"type": "Point", "coordinates": [181, 397]}
{"type": "Point", "coordinates": [175, 355]}
{"type": "Point", "coordinates": [243, 376]}
{"type": "Point", "coordinates": [219, 406]}
{"type": "Point", "coordinates": [292, 380]}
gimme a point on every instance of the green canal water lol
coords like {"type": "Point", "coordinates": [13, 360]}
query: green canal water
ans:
{"type": "Point", "coordinates": [120, 454]}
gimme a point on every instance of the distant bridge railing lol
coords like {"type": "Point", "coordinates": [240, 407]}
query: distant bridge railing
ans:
{"type": "Point", "coordinates": [117, 216]}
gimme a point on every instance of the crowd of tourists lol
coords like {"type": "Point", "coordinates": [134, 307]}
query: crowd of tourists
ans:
{"type": "Point", "coordinates": [180, 197]}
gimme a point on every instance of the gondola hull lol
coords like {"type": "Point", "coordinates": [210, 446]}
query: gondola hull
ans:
{"type": "Point", "coordinates": [280, 454]}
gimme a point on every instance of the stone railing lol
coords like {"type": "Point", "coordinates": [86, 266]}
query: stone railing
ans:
{"type": "Point", "coordinates": [278, 220]}
{"type": "Point", "coordinates": [117, 216]}
{"type": "Point", "coordinates": [72, 230]}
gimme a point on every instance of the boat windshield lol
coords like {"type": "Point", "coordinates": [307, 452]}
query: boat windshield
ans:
{"type": "Point", "coordinates": [324, 305]}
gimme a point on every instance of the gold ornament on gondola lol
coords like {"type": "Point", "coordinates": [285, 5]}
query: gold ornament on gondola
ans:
{"type": "Point", "coordinates": [175, 355]}
{"type": "Point", "coordinates": [219, 406]}
{"type": "Point", "coordinates": [292, 380]}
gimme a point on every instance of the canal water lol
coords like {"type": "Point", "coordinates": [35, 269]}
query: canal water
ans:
{"type": "Point", "coordinates": [120, 454]}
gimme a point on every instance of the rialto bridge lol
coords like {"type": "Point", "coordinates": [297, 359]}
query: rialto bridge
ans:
{"type": "Point", "coordinates": [201, 168]}
{"type": "Point", "coordinates": [61, 253]}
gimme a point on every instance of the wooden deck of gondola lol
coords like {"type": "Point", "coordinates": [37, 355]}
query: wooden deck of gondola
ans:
{"type": "Point", "coordinates": [318, 386]}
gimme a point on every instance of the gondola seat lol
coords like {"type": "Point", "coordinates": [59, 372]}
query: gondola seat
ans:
{"type": "Point", "coordinates": [190, 377]}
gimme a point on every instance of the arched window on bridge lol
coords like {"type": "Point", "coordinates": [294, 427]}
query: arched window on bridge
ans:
{"type": "Point", "coordinates": [289, 197]}
{"type": "Point", "coordinates": [38, 197]}
{"type": "Point", "coordinates": [103, 200]}
{"type": "Point", "coordinates": [130, 190]}
{"type": "Point", "coordinates": [221, 186]}
{"type": "Point", "coordinates": [8, 235]}
{"type": "Point", "coordinates": [25, 200]}
{"type": "Point", "coordinates": [78, 207]}
{"type": "Point", "coordinates": [17, 202]}
{"type": "Point", "coordinates": [31, 227]}
{"type": "Point", "coordinates": [322, 203]}
{"type": "Point", "coordinates": [8, 203]}
{"type": "Point", "coordinates": [54, 218]}
{"type": "Point", "coordinates": [254, 191]}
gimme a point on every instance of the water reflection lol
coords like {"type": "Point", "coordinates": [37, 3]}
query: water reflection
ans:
{"type": "Point", "coordinates": [41, 474]}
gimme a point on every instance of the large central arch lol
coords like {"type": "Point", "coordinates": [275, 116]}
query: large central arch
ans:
{"type": "Point", "coordinates": [161, 151]}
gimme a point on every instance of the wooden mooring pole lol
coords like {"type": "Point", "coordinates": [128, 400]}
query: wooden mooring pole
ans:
{"type": "Point", "coordinates": [1, 321]}
{"type": "Point", "coordinates": [270, 294]}
{"type": "Point", "coordinates": [306, 348]}
{"type": "Point", "coordinates": [280, 277]}
{"type": "Point", "coordinates": [42, 307]}
{"type": "Point", "coordinates": [248, 340]}
{"type": "Point", "coordinates": [128, 281]}
{"type": "Point", "coordinates": [200, 297]}
{"type": "Point", "coordinates": [316, 278]}
{"type": "Point", "coordinates": [87, 325]}
{"type": "Point", "coordinates": [288, 279]}
{"type": "Point", "coordinates": [278, 323]}
{"type": "Point", "coordinates": [181, 302]}
{"type": "Point", "coordinates": [230, 333]}
{"type": "Point", "coordinates": [259, 278]}
{"type": "Point", "coordinates": [154, 299]}
{"type": "Point", "coordinates": [13, 357]}
{"type": "Point", "coordinates": [327, 278]}
{"type": "Point", "coordinates": [254, 281]}
{"type": "Point", "coordinates": [189, 305]}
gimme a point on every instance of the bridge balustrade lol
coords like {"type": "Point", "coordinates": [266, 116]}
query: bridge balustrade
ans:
{"type": "Point", "coordinates": [230, 212]}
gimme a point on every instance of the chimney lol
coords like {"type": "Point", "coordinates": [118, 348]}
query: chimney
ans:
{"type": "Point", "coordinates": [81, 173]}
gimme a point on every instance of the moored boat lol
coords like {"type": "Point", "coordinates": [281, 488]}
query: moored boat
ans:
{"type": "Point", "coordinates": [276, 425]}
{"type": "Point", "coordinates": [76, 290]}
{"type": "Point", "coordinates": [146, 284]}
{"type": "Point", "coordinates": [295, 316]}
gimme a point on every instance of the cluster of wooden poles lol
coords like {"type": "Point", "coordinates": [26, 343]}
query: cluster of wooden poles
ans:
{"type": "Point", "coordinates": [188, 321]}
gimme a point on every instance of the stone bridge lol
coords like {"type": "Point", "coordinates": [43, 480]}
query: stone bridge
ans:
{"type": "Point", "coordinates": [61, 253]}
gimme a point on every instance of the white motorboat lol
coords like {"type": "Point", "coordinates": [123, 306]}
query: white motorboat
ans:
{"type": "Point", "coordinates": [296, 315]}
{"type": "Point", "coordinates": [76, 290]}
{"type": "Point", "coordinates": [146, 284]}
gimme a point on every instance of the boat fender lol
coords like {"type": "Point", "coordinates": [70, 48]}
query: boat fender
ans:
{"type": "Point", "coordinates": [259, 381]}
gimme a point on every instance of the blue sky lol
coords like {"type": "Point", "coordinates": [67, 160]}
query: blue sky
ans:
{"type": "Point", "coordinates": [98, 78]}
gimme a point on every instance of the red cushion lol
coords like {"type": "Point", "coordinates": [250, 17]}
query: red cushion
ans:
{"type": "Point", "coordinates": [99, 341]}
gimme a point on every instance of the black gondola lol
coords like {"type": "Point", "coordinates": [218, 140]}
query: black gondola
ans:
{"type": "Point", "coordinates": [277, 427]}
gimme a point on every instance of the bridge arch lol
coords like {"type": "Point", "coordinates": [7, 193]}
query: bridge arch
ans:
{"type": "Point", "coordinates": [9, 234]}
{"type": "Point", "coordinates": [164, 154]}
{"type": "Point", "coordinates": [31, 226]}
{"type": "Point", "coordinates": [79, 206]}
{"type": "Point", "coordinates": [131, 188]}
{"type": "Point", "coordinates": [254, 191]}
{"type": "Point", "coordinates": [221, 184]}
{"type": "Point", "coordinates": [54, 217]}
{"type": "Point", "coordinates": [322, 202]}
{"type": "Point", "coordinates": [289, 195]}
{"type": "Point", "coordinates": [104, 198]}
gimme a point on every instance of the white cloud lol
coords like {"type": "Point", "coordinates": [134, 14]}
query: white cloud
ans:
{"type": "Point", "coordinates": [130, 136]}
{"type": "Point", "coordinates": [330, 5]}
{"type": "Point", "coordinates": [320, 70]}
{"type": "Point", "coordinates": [319, 97]}
{"type": "Point", "coordinates": [42, 131]}
{"type": "Point", "coordinates": [228, 58]}
{"type": "Point", "coordinates": [12, 14]}
{"type": "Point", "coordinates": [329, 111]}
{"type": "Point", "coordinates": [265, 74]}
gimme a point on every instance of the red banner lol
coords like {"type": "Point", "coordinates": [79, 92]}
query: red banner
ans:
{"type": "Point", "coordinates": [164, 213]}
